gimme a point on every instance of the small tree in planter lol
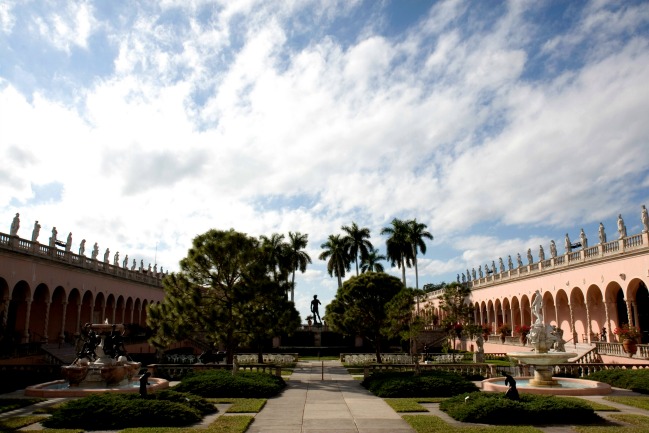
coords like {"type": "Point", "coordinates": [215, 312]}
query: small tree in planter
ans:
{"type": "Point", "coordinates": [522, 330]}
{"type": "Point", "coordinates": [504, 330]}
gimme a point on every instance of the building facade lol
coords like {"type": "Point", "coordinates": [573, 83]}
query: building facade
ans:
{"type": "Point", "coordinates": [47, 292]}
{"type": "Point", "coordinates": [587, 292]}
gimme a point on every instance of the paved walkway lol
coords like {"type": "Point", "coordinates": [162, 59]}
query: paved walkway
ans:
{"type": "Point", "coordinates": [326, 399]}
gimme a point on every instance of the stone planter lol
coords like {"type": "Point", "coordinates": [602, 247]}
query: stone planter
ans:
{"type": "Point", "coordinates": [630, 346]}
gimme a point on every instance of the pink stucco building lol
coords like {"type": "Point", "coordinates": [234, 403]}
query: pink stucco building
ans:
{"type": "Point", "coordinates": [584, 290]}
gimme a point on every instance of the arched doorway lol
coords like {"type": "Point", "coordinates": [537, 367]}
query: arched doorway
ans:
{"type": "Point", "coordinates": [642, 303]}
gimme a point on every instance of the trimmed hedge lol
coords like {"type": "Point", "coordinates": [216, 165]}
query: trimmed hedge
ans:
{"type": "Point", "coordinates": [222, 383]}
{"type": "Point", "coordinates": [118, 411]}
{"type": "Point", "coordinates": [635, 380]}
{"type": "Point", "coordinates": [494, 408]}
{"type": "Point", "coordinates": [436, 383]}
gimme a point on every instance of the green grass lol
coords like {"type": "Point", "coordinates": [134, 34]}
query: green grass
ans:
{"type": "Point", "coordinates": [9, 404]}
{"type": "Point", "coordinates": [58, 430]}
{"type": "Point", "coordinates": [638, 425]}
{"type": "Point", "coordinates": [434, 424]}
{"type": "Point", "coordinates": [411, 404]}
{"type": "Point", "coordinates": [594, 404]}
{"type": "Point", "coordinates": [48, 409]}
{"type": "Point", "coordinates": [16, 422]}
{"type": "Point", "coordinates": [639, 402]}
{"type": "Point", "coordinates": [241, 405]}
{"type": "Point", "coordinates": [223, 424]}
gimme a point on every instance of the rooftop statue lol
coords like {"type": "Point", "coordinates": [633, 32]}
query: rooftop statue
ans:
{"type": "Point", "coordinates": [53, 238]}
{"type": "Point", "coordinates": [501, 265]}
{"type": "Point", "coordinates": [15, 225]}
{"type": "Point", "coordinates": [95, 251]}
{"type": "Point", "coordinates": [116, 259]}
{"type": "Point", "coordinates": [125, 262]}
{"type": "Point", "coordinates": [583, 239]}
{"type": "Point", "coordinates": [480, 271]}
{"type": "Point", "coordinates": [530, 259]}
{"type": "Point", "coordinates": [519, 260]}
{"type": "Point", "coordinates": [473, 273]}
{"type": "Point", "coordinates": [68, 243]}
{"type": "Point", "coordinates": [36, 231]}
{"type": "Point", "coordinates": [541, 253]}
{"type": "Point", "coordinates": [553, 249]}
{"type": "Point", "coordinates": [106, 254]}
{"type": "Point", "coordinates": [644, 217]}
{"type": "Point", "coordinates": [602, 234]}
{"type": "Point", "coordinates": [82, 247]}
{"type": "Point", "coordinates": [568, 244]}
{"type": "Point", "coordinates": [510, 264]}
{"type": "Point", "coordinates": [621, 228]}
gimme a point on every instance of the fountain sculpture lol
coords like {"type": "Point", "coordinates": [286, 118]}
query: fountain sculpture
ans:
{"type": "Point", "coordinates": [101, 365]}
{"type": "Point", "coordinates": [548, 350]}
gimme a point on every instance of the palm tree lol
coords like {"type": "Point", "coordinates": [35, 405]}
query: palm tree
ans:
{"type": "Point", "coordinates": [274, 249]}
{"type": "Point", "coordinates": [357, 242]}
{"type": "Point", "coordinates": [297, 258]}
{"type": "Point", "coordinates": [335, 252]}
{"type": "Point", "coordinates": [416, 235]}
{"type": "Point", "coordinates": [371, 262]}
{"type": "Point", "coordinates": [399, 250]}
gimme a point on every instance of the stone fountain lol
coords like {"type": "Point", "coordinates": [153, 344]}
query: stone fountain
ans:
{"type": "Point", "coordinates": [548, 350]}
{"type": "Point", "coordinates": [101, 365]}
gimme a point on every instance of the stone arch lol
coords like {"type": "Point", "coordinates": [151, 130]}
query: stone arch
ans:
{"type": "Point", "coordinates": [19, 309]}
{"type": "Point", "coordinates": [498, 311]}
{"type": "Point", "coordinates": [549, 310]}
{"type": "Point", "coordinates": [516, 311]}
{"type": "Point", "coordinates": [562, 307]}
{"type": "Point", "coordinates": [145, 313]}
{"type": "Point", "coordinates": [99, 308]}
{"type": "Point", "coordinates": [73, 314]}
{"type": "Point", "coordinates": [129, 310]}
{"type": "Point", "coordinates": [526, 312]}
{"type": "Point", "coordinates": [109, 311]}
{"type": "Point", "coordinates": [87, 308]}
{"type": "Point", "coordinates": [56, 326]}
{"type": "Point", "coordinates": [507, 311]}
{"type": "Point", "coordinates": [491, 313]}
{"type": "Point", "coordinates": [120, 307]}
{"type": "Point", "coordinates": [578, 306]}
{"type": "Point", "coordinates": [637, 290]}
{"type": "Point", "coordinates": [4, 303]}
{"type": "Point", "coordinates": [596, 310]}
{"type": "Point", "coordinates": [39, 313]}
{"type": "Point", "coordinates": [137, 311]}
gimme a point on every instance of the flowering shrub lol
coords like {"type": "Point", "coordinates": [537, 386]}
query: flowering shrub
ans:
{"type": "Point", "coordinates": [522, 329]}
{"type": "Point", "coordinates": [627, 332]}
{"type": "Point", "coordinates": [486, 329]}
{"type": "Point", "coordinates": [504, 328]}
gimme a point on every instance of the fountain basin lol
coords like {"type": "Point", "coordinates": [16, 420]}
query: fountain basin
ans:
{"type": "Point", "coordinates": [543, 365]}
{"type": "Point", "coordinates": [564, 386]}
{"type": "Point", "coordinates": [59, 388]}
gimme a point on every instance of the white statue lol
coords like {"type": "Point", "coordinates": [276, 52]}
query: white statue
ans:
{"type": "Point", "coordinates": [15, 225]}
{"type": "Point", "coordinates": [155, 269]}
{"type": "Point", "coordinates": [602, 234]}
{"type": "Point", "coordinates": [583, 239]}
{"type": "Point", "coordinates": [519, 261]}
{"type": "Point", "coordinates": [559, 343]}
{"type": "Point", "coordinates": [149, 270]}
{"type": "Point", "coordinates": [480, 271]}
{"type": "Point", "coordinates": [621, 228]}
{"type": "Point", "coordinates": [568, 244]}
{"type": "Point", "coordinates": [68, 243]}
{"type": "Point", "coordinates": [134, 265]}
{"type": "Point", "coordinates": [36, 231]}
{"type": "Point", "coordinates": [553, 249]}
{"type": "Point", "coordinates": [510, 264]}
{"type": "Point", "coordinates": [530, 259]}
{"type": "Point", "coordinates": [541, 253]}
{"type": "Point", "coordinates": [501, 265]}
{"type": "Point", "coordinates": [473, 273]}
{"type": "Point", "coordinates": [493, 267]}
{"type": "Point", "coordinates": [116, 259]}
{"type": "Point", "coordinates": [125, 262]}
{"type": "Point", "coordinates": [53, 238]}
{"type": "Point", "coordinates": [82, 247]}
{"type": "Point", "coordinates": [106, 254]}
{"type": "Point", "coordinates": [537, 306]}
{"type": "Point", "coordinates": [95, 251]}
{"type": "Point", "coordinates": [479, 341]}
{"type": "Point", "coordinates": [141, 265]}
{"type": "Point", "coordinates": [644, 217]}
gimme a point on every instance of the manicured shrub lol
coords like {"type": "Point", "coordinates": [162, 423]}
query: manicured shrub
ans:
{"type": "Point", "coordinates": [221, 383]}
{"type": "Point", "coordinates": [635, 380]}
{"type": "Point", "coordinates": [118, 411]}
{"type": "Point", "coordinates": [194, 401]}
{"type": "Point", "coordinates": [494, 408]}
{"type": "Point", "coordinates": [436, 383]}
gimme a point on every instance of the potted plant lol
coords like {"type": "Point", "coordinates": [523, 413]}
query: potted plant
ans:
{"type": "Point", "coordinates": [629, 336]}
{"type": "Point", "coordinates": [523, 330]}
{"type": "Point", "coordinates": [503, 330]}
{"type": "Point", "coordinates": [486, 331]}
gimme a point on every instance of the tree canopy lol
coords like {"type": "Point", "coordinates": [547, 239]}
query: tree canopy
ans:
{"type": "Point", "coordinates": [371, 305]}
{"type": "Point", "coordinates": [226, 292]}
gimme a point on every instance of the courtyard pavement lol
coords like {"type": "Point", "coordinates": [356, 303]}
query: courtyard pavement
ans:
{"type": "Point", "coordinates": [322, 396]}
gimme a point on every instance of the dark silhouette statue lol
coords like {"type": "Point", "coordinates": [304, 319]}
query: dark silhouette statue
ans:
{"type": "Point", "coordinates": [512, 392]}
{"type": "Point", "coordinates": [314, 309]}
{"type": "Point", "coordinates": [143, 383]}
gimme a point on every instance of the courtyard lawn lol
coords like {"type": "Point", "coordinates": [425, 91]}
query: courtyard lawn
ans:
{"type": "Point", "coordinates": [434, 424]}
{"type": "Point", "coordinates": [638, 425]}
{"type": "Point", "coordinates": [17, 422]}
{"type": "Point", "coordinates": [223, 424]}
{"type": "Point", "coordinates": [410, 404]}
{"type": "Point", "coordinates": [639, 402]}
{"type": "Point", "coordinates": [241, 405]}
{"type": "Point", "coordinates": [9, 404]}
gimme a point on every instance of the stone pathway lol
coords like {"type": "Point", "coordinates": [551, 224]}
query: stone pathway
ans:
{"type": "Point", "coordinates": [323, 397]}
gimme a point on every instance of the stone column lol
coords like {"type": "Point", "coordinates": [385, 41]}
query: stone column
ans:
{"type": "Point", "coordinates": [27, 316]}
{"type": "Point", "coordinates": [588, 327]}
{"type": "Point", "coordinates": [78, 327]}
{"type": "Point", "coordinates": [572, 323]}
{"type": "Point", "coordinates": [556, 314]}
{"type": "Point", "coordinates": [65, 311]}
{"type": "Point", "coordinates": [609, 333]}
{"type": "Point", "coordinates": [48, 304]}
{"type": "Point", "coordinates": [5, 315]}
{"type": "Point", "coordinates": [103, 312]}
{"type": "Point", "coordinates": [629, 313]}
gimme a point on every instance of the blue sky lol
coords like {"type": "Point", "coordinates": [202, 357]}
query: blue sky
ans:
{"type": "Point", "coordinates": [500, 125]}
